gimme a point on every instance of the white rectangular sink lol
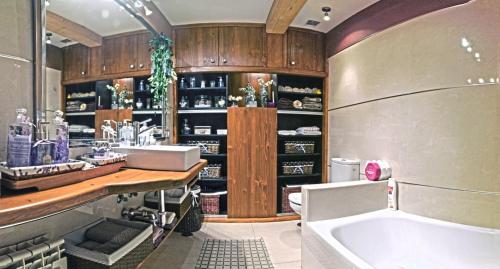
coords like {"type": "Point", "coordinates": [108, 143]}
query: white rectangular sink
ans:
{"type": "Point", "coordinates": [165, 158]}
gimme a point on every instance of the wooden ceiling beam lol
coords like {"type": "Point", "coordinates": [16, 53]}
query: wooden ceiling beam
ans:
{"type": "Point", "coordinates": [72, 30]}
{"type": "Point", "coordinates": [282, 14]}
{"type": "Point", "coordinates": [154, 20]}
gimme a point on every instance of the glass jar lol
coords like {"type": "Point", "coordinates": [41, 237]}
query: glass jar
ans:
{"type": "Point", "coordinates": [202, 101]}
{"type": "Point", "coordinates": [220, 101]}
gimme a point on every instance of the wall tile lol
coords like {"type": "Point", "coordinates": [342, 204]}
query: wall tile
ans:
{"type": "Point", "coordinates": [447, 138]}
{"type": "Point", "coordinates": [16, 28]}
{"type": "Point", "coordinates": [475, 208]}
{"type": "Point", "coordinates": [15, 92]}
{"type": "Point", "coordinates": [422, 54]}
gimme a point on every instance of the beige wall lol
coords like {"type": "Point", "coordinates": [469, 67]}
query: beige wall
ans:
{"type": "Point", "coordinates": [414, 96]}
{"type": "Point", "coordinates": [16, 67]}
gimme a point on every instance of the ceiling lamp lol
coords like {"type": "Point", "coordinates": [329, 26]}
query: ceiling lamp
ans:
{"type": "Point", "coordinates": [138, 4]}
{"type": "Point", "coordinates": [48, 35]}
{"type": "Point", "coordinates": [147, 11]}
{"type": "Point", "coordinates": [326, 16]}
{"type": "Point", "coordinates": [47, 3]}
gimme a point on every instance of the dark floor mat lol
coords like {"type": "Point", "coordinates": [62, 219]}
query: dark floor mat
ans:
{"type": "Point", "coordinates": [234, 254]}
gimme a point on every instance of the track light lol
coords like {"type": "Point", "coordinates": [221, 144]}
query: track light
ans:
{"type": "Point", "coordinates": [48, 35]}
{"type": "Point", "coordinates": [147, 11]}
{"type": "Point", "coordinates": [326, 16]}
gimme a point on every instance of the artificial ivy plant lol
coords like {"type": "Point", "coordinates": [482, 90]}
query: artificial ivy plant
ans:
{"type": "Point", "coordinates": [162, 70]}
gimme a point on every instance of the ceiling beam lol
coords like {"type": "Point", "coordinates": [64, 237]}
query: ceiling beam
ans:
{"type": "Point", "coordinates": [282, 14]}
{"type": "Point", "coordinates": [154, 20]}
{"type": "Point", "coordinates": [72, 30]}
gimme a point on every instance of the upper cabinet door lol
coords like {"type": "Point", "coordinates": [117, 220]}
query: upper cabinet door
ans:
{"type": "Point", "coordinates": [120, 54]}
{"type": "Point", "coordinates": [306, 50]}
{"type": "Point", "coordinates": [96, 64]}
{"type": "Point", "coordinates": [242, 46]}
{"type": "Point", "coordinates": [143, 54]}
{"type": "Point", "coordinates": [196, 46]}
{"type": "Point", "coordinates": [76, 62]}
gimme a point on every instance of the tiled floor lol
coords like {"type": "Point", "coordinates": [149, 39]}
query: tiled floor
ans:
{"type": "Point", "coordinates": [282, 240]}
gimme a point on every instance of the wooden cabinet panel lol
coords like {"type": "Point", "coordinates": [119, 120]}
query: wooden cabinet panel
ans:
{"type": "Point", "coordinates": [305, 50]}
{"type": "Point", "coordinates": [120, 54]}
{"type": "Point", "coordinates": [117, 115]}
{"type": "Point", "coordinates": [252, 162]}
{"type": "Point", "coordinates": [96, 62]}
{"type": "Point", "coordinates": [196, 46]}
{"type": "Point", "coordinates": [276, 50]}
{"type": "Point", "coordinates": [143, 55]}
{"type": "Point", "coordinates": [242, 46]}
{"type": "Point", "coordinates": [76, 62]}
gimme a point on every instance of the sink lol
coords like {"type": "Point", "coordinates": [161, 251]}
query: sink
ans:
{"type": "Point", "coordinates": [168, 158]}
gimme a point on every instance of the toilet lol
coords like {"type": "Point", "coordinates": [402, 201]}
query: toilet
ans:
{"type": "Point", "coordinates": [340, 170]}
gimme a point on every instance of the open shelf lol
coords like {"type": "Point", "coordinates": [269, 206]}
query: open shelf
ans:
{"type": "Point", "coordinates": [220, 155]}
{"type": "Point", "coordinates": [221, 180]}
{"type": "Point", "coordinates": [300, 112]}
{"type": "Point", "coordinates": [281, 155]}
{"type": "Point", "coordinates": [89, 113]}
{"type": "Point", "coordinates": [299, 136]}
{"type": "Point", "coordinates": [201, 89]}
{"type": "Point", "coordinates": [299, 176]}
{"type": "Point", "coordinates": [146, 112]}
{"type": "Point", "coordinates": [202, 111]}
{"type": "Point", "coordinates": [300, 94]}
{"type": "Point", "coordinates": [197, 135]}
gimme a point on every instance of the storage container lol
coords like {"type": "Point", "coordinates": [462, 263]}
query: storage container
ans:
{"type": "Point", "coordinates": [202, 101]}
{"type": "Point", "coordinates": [298, 168]}
{"type": "Point", "coordinates": [211, 171]}
{"type": "Point", "coordinates": [203, 130]}
{"type": "Point", "coordinates": [36, 253]}
{"type": "Point", "coordinates": [210, 202]}
{"type": "Point", "coordinates": [126, 252]}
{"type": "Point", "coordinates": [295, 147]}
{"type": "Point", "coordinates": [285, 191]}
{"type": "Point", "coordinates": [207, 147]}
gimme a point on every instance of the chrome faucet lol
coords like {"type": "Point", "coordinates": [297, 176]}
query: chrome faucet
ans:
{"type": "Point", "coordinates": [142, 132]}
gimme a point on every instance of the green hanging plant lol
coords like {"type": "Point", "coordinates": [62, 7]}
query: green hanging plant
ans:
{"type": "Point", "coordinates": [162, 70]}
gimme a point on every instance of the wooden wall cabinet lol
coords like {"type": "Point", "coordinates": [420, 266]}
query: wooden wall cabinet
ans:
{"type": "Point", "coordinates": [252, 162]}
{"type": "Point", "coordinates": [306, 50]}
{"type": "Point", "coordinates": [120, 54]}
{"type": "Point", "coordinates": [242, 46]}
{"type": "Point", "coordinates": [143, 54]}
{"type": "Point", "coordinates": [76, 62]}
{"type": "Point", "coordinates": [197, 46]}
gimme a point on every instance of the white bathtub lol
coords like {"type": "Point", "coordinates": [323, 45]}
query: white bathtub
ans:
{"type": "Point", "coordinates": [393, 239]}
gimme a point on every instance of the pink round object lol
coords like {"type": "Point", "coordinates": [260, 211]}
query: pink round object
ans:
{"type": "Point", "coordinates": [373, 171]}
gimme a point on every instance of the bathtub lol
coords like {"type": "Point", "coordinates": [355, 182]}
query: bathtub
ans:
{"type": "Point", "coordinates": [393, 239]}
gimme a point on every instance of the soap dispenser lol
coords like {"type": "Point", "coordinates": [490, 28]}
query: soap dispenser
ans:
{"type": "Point", "coordinates": [19, 140]}
{"type": "Point", "coordinates": [43, 150]}
{"type": "Point", "coordinates": [60, 136]}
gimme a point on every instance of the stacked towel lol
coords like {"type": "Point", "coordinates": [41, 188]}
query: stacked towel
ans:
{"type": "Point", "coordinates": [313, 130]}
{"type": "Point", "coordinates": [312, 103]}
{"type": "Point", "coordinates": [107, 237]}
{"type": "Point", "coordinates": [284, 103]}
{"type": "Point", "coordinates": [287, 132]}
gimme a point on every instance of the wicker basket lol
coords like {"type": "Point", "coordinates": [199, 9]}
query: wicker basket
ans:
{"type": "Point", "coordinates": [128, 256]}
{"type": "Point", "coordinates": [298, 168]}
{"type": "Point", "coordinates": [207, 147]}
{"type": "Point", "coordinates": [294, 147]}
{"type": "Point", "coordinates": [211, 171]}
{"type": "Point", "coordinates": [210, 202]}
{"type": "Point", "coordinates": [285, 203]}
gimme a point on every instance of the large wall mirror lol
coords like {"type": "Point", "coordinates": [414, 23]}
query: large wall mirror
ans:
{"type": "Point", "coordinates": [90, 46]}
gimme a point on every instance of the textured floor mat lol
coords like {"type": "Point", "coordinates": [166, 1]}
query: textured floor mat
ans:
{"type": "Point", "coordinates": [234, 254]}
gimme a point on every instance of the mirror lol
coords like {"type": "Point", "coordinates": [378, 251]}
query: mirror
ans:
{"type": "Point", "coordinates": [91, 46]}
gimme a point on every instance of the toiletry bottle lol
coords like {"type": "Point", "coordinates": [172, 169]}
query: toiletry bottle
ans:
{"type": "Point", "coordinates": [60, 138]}
{"type": "Point", "coordinates": [19, 140]}
{"type": "Point", "coordinates": [43, 150]}
{"type": "Point", "coordinates": [392, 194]}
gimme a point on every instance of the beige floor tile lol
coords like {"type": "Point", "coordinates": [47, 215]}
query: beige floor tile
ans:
{"type": "Point", "coordinates": [282, 241]}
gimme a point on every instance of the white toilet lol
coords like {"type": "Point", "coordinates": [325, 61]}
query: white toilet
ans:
{"type": "Point", "coordinates": [340, 170]}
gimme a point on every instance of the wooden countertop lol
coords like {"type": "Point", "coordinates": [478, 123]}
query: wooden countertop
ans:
{"type": "Point", "coordinates": [24, 207]}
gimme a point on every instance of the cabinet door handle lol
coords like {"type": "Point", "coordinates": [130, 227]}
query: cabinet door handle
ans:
{"type": "Point", "coordinates": [224, 60]}
{"type": "Point", "coordinates": [82, 73]}
{"type": "Point", "coordinates": [212, 60]}
{"type": "Point", "coordinates": [132, 66]}
{"type": "Point", "coordinates": [292, 62]}
{"type": "Point", "coordinates": [141, 65]}
{"type": "Point", "coordinates": [103, 67]}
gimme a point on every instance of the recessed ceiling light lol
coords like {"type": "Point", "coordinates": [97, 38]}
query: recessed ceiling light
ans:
{"type": "Point", "coordinates": [326, 16]}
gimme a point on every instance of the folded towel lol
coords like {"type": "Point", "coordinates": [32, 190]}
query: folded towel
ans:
{"type": "Point", "coordinates": [104, 231]}
{"type": "Point", "coordinates": [287, 132]}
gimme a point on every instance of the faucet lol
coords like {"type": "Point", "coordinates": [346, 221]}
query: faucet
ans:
{"type": "Point", "coordinates": [142, 132]}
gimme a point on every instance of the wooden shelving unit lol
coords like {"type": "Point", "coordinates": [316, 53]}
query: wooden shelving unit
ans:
{"type": "Point", "coordinates": [216, 117]}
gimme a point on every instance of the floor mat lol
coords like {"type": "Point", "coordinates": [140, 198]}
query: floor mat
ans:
{"type": "Point", "coordinates": [234, 254]}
